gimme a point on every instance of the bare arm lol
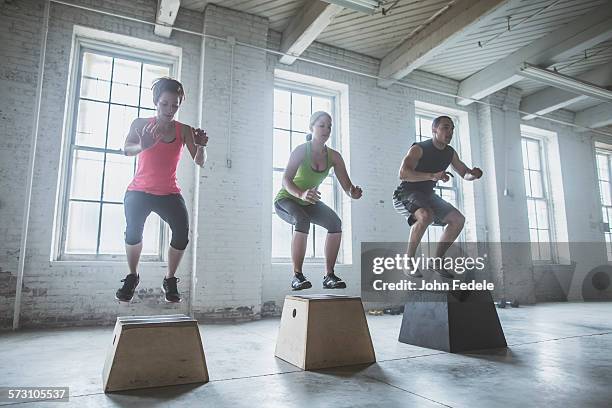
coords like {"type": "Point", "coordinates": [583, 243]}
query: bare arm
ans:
{"type": "Point", "coordinates": [296, 158]}
{"type": "Point", "coordinates": [407, 172]}
{"type": "Point", "coordinates": [463, 170]}
{"type": "Point", "coordinates": [343, 177]}
{"type": "Point", "coordinates": [197, 150]}
{"type": "Point", "coordinates": [459, 166]}
{"type": "Point", "coordinates": [132, 145]}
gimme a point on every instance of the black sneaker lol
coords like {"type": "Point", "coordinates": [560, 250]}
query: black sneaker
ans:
{"type": "Point", "coordinates": [333, 282]}
{"type": "Point", "coordinates": [169, 288]}
{"type": "Point", "coordinates": [126, 293]}
{"type": "Point", "coordinates": [300, 282]}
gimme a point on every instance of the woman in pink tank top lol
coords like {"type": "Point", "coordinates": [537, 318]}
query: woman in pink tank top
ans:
{"type": "Point", "coordinates": [158, 142]}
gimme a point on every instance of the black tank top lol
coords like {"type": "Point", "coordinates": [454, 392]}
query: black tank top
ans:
{"type": "Point", "coordinates": [432, 161]}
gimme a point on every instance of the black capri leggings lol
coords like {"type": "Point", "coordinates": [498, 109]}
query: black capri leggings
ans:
{"type": "Point", "coordinates": [302, 215]}
{"type": "Point", "coordinates": [171, 208]}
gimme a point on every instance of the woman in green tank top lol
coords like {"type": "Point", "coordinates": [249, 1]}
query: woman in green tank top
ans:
{"type": "Point", "coordinates": [298, 201]}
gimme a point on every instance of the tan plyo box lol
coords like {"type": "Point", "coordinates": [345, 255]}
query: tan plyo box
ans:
{"type": "Point", "coordinates": [322, 331]}
{"type": "Point", "coordinates": [154, 351]}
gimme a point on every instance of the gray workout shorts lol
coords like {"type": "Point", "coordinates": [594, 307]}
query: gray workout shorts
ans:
{"type": "Point", "coordinates": [407, 202]}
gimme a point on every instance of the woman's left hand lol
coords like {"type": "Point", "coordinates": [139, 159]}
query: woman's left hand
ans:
{"type": "Point", "coordinates": [356, 192]}
{"type": "Point", "coordinates": [199, 137]}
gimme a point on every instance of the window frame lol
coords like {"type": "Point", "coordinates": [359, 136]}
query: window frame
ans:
{"type": "Point", "coordinates": [81, 45]}
{"type": "Point", "coordinates": [334, 143]}
{"type": "Point", "coordinates": [546, 192]}
{"type": "Point", "coordinates": [608, 155]}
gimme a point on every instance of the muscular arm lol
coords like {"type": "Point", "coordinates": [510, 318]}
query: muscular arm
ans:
{"type": "Point", "coordinates": [407, 172]}
{"type": "Point", "coordinates": [459, 166]}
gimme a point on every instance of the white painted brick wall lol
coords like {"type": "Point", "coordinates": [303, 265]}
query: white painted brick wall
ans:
{"type": "Point", "coordinates": [230, 255]}
{"type": "Point", "coordinates": [19, 52]}
{"type": "Point", "coordinates": [506, 214]}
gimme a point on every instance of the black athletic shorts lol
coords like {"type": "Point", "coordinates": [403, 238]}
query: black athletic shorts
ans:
{"type": "Point", "coordinates": [407, 202]}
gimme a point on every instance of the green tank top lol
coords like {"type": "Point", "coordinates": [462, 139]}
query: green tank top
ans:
{"type": "Point", "coordinates": [306, 177]}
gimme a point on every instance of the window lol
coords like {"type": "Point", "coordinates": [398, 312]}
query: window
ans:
{"type": "Point", "coordinates": [538, 205]}
{"type": "Point", "coordinates": [111, 90]}
{"type": "Point", "coordinates": [449, 190]}
{"type": "Point", "coordinates": [292, 109]}
{"type": "Point", "coordinates": [604, 158]}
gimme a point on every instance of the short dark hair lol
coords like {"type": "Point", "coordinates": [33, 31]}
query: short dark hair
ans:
{"type": "Point", "coordinates": [167, 84]}
{"type": "Point", "coordinates": [437, 120]}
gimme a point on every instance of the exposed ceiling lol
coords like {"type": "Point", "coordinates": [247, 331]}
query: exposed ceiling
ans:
{"type": "Point", "coordinates": [480, 43]}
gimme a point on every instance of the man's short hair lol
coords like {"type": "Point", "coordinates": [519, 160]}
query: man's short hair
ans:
{"type": "Point", "coordinates": [437, 120]}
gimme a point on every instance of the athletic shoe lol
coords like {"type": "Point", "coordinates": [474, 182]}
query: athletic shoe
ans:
{"type": "Point", "coordinates": [126, 292]}
{"type": "Point", "coordinates": [300, 282]}
{"type": "Point", "coordinates": [170, 290]}
{"type": "Point", "coordinates": [333, 282]}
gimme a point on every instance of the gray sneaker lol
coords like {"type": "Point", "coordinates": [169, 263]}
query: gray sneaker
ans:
{"type": "Point", "coordinates": [300, 282]}
{"type": "Point", "coordinates": [333, 282]}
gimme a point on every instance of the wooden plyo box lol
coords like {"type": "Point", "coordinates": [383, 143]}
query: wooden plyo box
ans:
{"type": "Point", "coordinates": [322, 331]}
{"type": "Point", "coordinates": [154, 351]}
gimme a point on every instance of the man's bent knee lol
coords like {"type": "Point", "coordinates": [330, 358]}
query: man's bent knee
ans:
{"type": "Point", "coordinates": [455, 219]}
{"type": "Point", "coordinates": [424, 215]}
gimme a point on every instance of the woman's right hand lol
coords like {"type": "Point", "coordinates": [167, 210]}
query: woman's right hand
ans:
{"type": "Point", "coordinates": [311, 195]}
{"type": "Point", "coordinates": [148, 136]}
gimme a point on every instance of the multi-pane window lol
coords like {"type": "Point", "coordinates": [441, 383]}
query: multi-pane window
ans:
{"type": "Point", "coordinates": [111, 92]}
{"type": "Point", "coordinates": [449, 190]}
{"type": "Point", "coordinates": [537, 199]}
{"type": "Point", "coordinates": [603, 175]}
{"type": "Point", "coordinates": [292, 110]}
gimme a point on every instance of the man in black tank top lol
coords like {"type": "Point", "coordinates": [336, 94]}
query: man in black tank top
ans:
{"type": "Point", "coordinates": [424, 165]}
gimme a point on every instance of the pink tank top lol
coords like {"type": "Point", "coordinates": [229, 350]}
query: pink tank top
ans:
{"type": "Point", "coordinates": [156, 169]}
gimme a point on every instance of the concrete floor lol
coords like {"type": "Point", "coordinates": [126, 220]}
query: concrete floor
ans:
{"type": "Point", "coordinates": [559, 354]}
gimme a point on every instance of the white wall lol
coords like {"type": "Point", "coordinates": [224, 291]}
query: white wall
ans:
{"type": "Point", "coordinates": [230, 254]}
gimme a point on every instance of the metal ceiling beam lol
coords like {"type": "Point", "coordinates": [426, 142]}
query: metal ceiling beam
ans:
{"type": "Point", "coordinates": [574, 37]}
